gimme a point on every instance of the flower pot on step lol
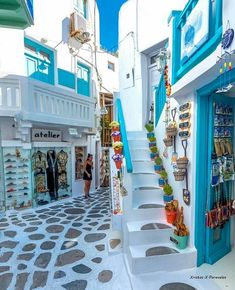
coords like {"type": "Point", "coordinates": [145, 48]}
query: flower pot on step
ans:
{"type": "Point", "coordinates": [152, 144]}
{"type": "Point", "coordinates": [158, 168]}
{"type": "Point", "coordinates": [167, 198]}
{"type": "Point", "coordinates": [153, 156]}
{"type": "Point", "coordinates": [170, 216]}
{"type": "Point", "coordinates": [162, 182]}
{"type": "Point", "coordinates": [150, 135]}
{"type": "Point", "coordinates": [182, 241]}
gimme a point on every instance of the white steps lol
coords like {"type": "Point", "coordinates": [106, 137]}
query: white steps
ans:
{"type": "Point", "coordinates": [139, 263]}
{"type": "Point", "coordinates": [143, 166]}
{"type": "Point", "coordinates": [149, 231]}
{"type": "Point", "coordinates": [139, 143]}
{"type": "Point", "coordinates": [144, 180]}
{"type": "Point", "coordinates": [140, 154]}
{"type": "Point", "coordinates": [143, 196]}
{"type": "Point", "coordinates": [135, 135]}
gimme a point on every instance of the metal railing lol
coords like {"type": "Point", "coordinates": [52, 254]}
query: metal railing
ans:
{"type": "Point", "coordinates": [126, 149]}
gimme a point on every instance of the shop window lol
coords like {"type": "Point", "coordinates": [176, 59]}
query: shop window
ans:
{"type": "Point", "coordinates": [51, 169]}
{"type": "Point", "coordinates": [111, 66]}
{"type": "Point", "coordinates": [83, 80]}
{"type": "Point", "coordinates": [81, 7]}
{"type": "Point", "coordinates": [39, 62]}
{"type": "Point", "coordinates": [79, 162]}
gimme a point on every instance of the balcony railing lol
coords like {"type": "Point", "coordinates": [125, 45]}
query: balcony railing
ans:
{"type": "Point", "coordinates": [44, 103]}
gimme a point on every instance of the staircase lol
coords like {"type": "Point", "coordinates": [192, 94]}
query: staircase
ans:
{"type": "Point", "coordinates": [147, 234]}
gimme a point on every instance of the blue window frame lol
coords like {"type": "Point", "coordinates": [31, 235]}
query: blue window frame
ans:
{"type": "Point", "coordinates": [160, 98]}
{"type": "Point", "coordinates": [81, 7]}
{"type": "Point", "coordinates": [83, 80]}
{"type": "Point", "coordinates": [185, 28]}
{"type": "Point", "coordinates": [39, 62]}
{"type": "Point", "coordinates": [66, 78]}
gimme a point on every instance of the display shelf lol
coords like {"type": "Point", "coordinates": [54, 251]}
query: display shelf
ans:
{"type": "Point", "coordinates": [80, 155]}
{"type": "Point", "coordinates": [16, 168]}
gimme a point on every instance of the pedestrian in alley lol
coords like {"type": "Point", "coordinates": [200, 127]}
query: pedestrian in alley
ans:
{"type": "Point", "coordinates": [87, 175]}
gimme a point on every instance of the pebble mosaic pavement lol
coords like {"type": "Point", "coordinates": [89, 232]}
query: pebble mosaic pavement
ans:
{"type": "Point", "coordinates": [61, 246]}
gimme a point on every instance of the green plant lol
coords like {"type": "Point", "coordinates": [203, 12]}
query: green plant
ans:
{"type": "Point", "coordinates": [152, 139]}
{"type": "Point", "coordinates": [153, 149]}
{"type": "Point", "coordinates": [149, 127]}
{"type": "Point", "coordinates": [164, 174]}
{"type": "Point", "coordinates": [167, 189]}
{"type": "Point", "coordinates": [158, 161]}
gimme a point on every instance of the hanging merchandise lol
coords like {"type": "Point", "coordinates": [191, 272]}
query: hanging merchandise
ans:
{"type": "Point", "coordinates": [185, 123]}
{"type": "Point", "coordinates": [51, 176]}
{"type": "Point", "coordinates": [104, 168]}
{"type": "Point", "coordinates": [17, 175]}
{"type": "Point", "coordinates": [79, 162]}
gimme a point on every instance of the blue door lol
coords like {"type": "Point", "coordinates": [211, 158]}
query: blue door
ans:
{"type": "Point", "coordinates": [220, 183]}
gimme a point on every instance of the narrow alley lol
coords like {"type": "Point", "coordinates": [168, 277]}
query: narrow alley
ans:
{"type": "Point", "coordinates": [62, 246]}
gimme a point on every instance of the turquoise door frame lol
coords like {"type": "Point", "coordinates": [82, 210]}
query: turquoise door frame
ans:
{"type": "Point", "coordinates": [203, 149]}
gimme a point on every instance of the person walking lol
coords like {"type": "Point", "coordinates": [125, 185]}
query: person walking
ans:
{"type": "Point", "coordinates": [87, 175]}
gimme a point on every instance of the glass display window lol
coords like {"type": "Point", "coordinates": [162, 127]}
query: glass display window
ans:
{"type": "Point", "coordinates": [51, 168]}
{"type": "Point", "coordinates": [80, 155]}
{"type": "Point", "coordinates": [17, 178]}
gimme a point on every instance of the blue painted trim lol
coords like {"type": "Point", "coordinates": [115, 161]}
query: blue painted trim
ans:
{"type": "Point", "coordinates": [173, 14]}
{"type": "Point", "coordinates": [201, 163]}
{"type": "Point", "coordinates": [83, 87]}
{"type": "Point", "coordinates": [66, 78]}
{"type": "Point", "coordinates": [50, 78]}
{"type": "Point", "coordinates": [160, 99]}
{"type": "Point", "coordinates": [126, 149]}
{"type": "Point", "coordinates": [30, 7]}
{"type": "Point", "coordinates": [179, 69]}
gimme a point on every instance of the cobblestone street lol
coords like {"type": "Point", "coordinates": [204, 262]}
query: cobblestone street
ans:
{"type": "Point", "coordinates": [62, 246]}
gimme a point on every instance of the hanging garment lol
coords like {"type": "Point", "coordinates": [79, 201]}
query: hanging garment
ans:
{"type": "Point", "coordinates": [39, 167]}
{"type": "Point", "coordinates": [62, 159]}
{"type": "Point", "coordinates": [52, 174]}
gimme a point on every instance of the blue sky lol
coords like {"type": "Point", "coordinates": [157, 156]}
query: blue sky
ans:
{"type": "Point", "coordinates": [109, 23]}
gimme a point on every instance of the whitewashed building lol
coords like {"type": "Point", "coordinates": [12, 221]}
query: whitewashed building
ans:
{"type": "Point", "coordinates": [149, 30]}
{"type": "Point", "coordinates": [49, 101]}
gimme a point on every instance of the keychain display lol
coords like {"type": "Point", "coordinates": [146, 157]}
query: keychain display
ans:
{"type": "Point", "coordinates": [185, 123]}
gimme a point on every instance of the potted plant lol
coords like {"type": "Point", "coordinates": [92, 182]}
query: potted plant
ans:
{"type": "Point", "coordinates": [182, 162]}
{"type": "Point", "coordinates": [116, 135]}
{"type": "Point", "coordinates": [117, 158]}
{"type": "Point", "coordinates": [114, 125]}
{"type": "Point", "coordinates": [171, 129]}
{"type": "Point", "coordinates": [181, 233]}
{"type": "Point", "coordinates": [149, 127]}
{"type": "Point", "coordinates": [171, 209]}
{"type": "Point", "coordinates": [179, 175]}
{"type": "Point", "coordinates": [152, 141]}
{"type": "Point", "coordinates": [117, 146]}
{"type": "Point", "coordinates": [168, 196]}
{"type": "Point", "coordinates": [168, 141]}
{"type": "Point", "coordinates": [158, 164]}
{"type": "Point", "coordinates": [163, 178]}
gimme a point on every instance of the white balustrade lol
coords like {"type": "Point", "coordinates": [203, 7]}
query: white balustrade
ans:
{"type": "Point", "coordinates": [37, 101]}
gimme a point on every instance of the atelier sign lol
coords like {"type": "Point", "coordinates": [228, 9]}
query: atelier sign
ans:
{"type": "Point", "coordinates": [43, 135]}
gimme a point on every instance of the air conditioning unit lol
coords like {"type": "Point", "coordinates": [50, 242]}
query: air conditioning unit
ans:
{"type": "Point", "coordinates": [79, 28]}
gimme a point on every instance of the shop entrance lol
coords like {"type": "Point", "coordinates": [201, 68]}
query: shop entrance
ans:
{"type": "Point", "coordinates": [215, 176]}
{"type": "Point", "coordinates": [220, 187]}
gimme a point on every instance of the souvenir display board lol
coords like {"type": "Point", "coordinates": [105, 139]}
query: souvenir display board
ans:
{"type": "Point", "coordinates": [51, 168]}
{"type": "Point", "coordinates": [222, 166]}
{"type": "Point", "coordinates": [104, 168]}
{"type": "Point", "coordinates": [80, 155]}
{"type": "Point", "coordinates": [17, 178]}
{"type": "Point", "coordinates": [2, 199]}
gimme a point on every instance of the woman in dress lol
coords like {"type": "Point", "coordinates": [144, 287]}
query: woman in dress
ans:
{"type": "Point", "coordinates": [87, 175]}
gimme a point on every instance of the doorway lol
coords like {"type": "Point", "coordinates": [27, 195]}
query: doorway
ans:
{"type": "Point", "coordinates": [215, 174]}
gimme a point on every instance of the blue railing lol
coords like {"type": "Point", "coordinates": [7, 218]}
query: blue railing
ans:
{"type": "Point", "coordinates": [126, 149]}
{"type": "Point", "coordinates": [160, 99]}
{"type": "Point", "coordinates": [30, 6]}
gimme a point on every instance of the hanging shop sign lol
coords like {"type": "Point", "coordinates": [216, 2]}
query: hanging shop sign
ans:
{"type": "Point", "coordinates": [195, 30]}
{"type": "Point", "coordinates": [44, 135]}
